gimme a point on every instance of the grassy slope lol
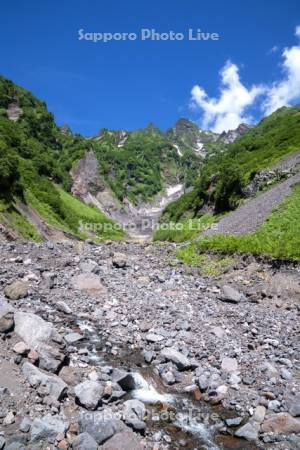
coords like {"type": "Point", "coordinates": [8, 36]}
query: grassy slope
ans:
{"type": "Point", "coordinates": [274, 138]}
{"type": "Point", "coordinates": [278, 237]}
{"type": "Point", "coordinates": [75, 214]}
{"type": "Point", "coordinates": [184, 230]}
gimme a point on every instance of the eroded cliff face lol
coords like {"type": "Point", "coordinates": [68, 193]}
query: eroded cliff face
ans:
{"type": "Point", "coordinates": [85, 176]}
{"type": "Point", "coordinates": [139, 221]}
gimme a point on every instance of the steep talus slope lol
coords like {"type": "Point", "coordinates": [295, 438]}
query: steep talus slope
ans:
{"type": "Point", "coordinates": [253, 212]}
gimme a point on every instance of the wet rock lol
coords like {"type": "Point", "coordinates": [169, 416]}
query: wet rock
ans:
{"type": "Point", "coordinates": [34, 330]}
{"type": "Point", "coordinates": [53, 384]}
{"type": "Point", "coordinates": [229, 364]}
{"type": "Point", "coordinates": [124, 379]}
{"type": "Point", "coordinates": [89, 394]}
{"type": "Point", "coordinates": [126, 440]}
{"type": "Point", "coordinates": [281, 423]}
{"type": "Point", "coordinates": [84, 442]}
{"type": "Point", "coordinates": [134, 414]}
{"type": "Point", "coordinates": [16, 290]}
{"type": "Point", "coordinates": [71, 338]}
{"type": "Point", "coordinates": [47, 428]}
{"type": "Point", "coordinates": [230, 295]}
{"type": "Point", "coordinates": [249, 431]}
{"type": "Point", "coordinates": [6, 316]}
{"type": "Point", "coordinates": [179, 359]}
{"type": "Point", "coordinates": [99, 427]}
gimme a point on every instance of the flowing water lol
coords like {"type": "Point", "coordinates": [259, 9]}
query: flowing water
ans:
{"type": "Point", "coordinates": [189, 423]}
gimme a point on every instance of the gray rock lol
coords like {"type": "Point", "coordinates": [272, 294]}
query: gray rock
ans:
{"type": "Point", "coordinates": [126, 440]}
{"type": "Point", "coordinates": [179, 359]}
{"type": "Point", "coordinates": [234, 422]}
{"type": "Point", "coordinates": [229, 364]}
{"type": "Point", "coordinates": [89, 394]}
{"type": "Point", "coordinates": [16, 290]}
{"type": "Point", "coordinates": [149, 356]}
{"type": "Point", "coordinates": [285, 374]}
{"type": "Point", "coordinates": [25, 425]}
{"type": "Point", "coordinates": [6, 316]}
{"type": "Point", "coordinates": [249, 431]}
{"type": "Point", "coordinates": [34, 330]}
{"type": "Point", "coordinates": [153, 337]}
{"type": "Point", "coordinates": [119, 260]}
{"type": "Point", "coordinates": [134, 413]}
{"type": "Point", "coordinates": [90, 283]}
{"type": "Point", "coordinates": [47, 428]}
{"type": "Point", "coordinates": [84, 442]}
{"type": "Point", "coordinates": [230, 295]}
{"type": "Point", "coordinates": [293, 404]}
{"type": "Point", "coordinates": [56, 387]}
{"type": "Point", "coordinates": [71, 338]}
{"type": "Point", "coordinates": [99, 427]}
{"type": "Point", "coordinates": [124, 379]}
{"type": "Point", "coordinates": [89, 266]}
{"type": "Point", "coordinates": [2, 442]}
{"type": "Point", "coordinates": [259, 414]}
{"type": "Point", "coordinates": [63, 307]}
{"type": "Point", "coordinates": [15, 446]}
{"type": "Point", "coordinates": [50, 358]}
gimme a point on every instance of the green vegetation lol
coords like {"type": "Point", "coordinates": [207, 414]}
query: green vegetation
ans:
{"type": "Point", "coordinates": [225, 174]}
{"type": "Point", "coordinates": [72, 216]}
{"type": "Point", "coordinates": [278, 237]}
{"type": "Point", "coordinates": [10, 216]}
{"type": "Point", "coordinates": [183, 231]}
{"type": "Point", "coordinates": [210, 265]}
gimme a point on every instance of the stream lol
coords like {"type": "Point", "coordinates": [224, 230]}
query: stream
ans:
{"type": "Point", "coordinates": [185, 421]}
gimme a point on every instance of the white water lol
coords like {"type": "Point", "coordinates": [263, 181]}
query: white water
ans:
{"type": "Point", "coordinates": [147, 393]}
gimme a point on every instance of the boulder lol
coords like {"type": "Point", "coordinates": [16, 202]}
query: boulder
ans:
{"type": "Point", "coordinates": [84, 442]}
{"type": "Point", "coordinates": [134, 413]}
{"type": "Point", "coordinates": [50, 358]}
{"type": "Point", "coordinates": [126, 440]}
{"type": "Point", "coordinates": [6, 316]}
{"type": "Point", "coordinates": [179, 359]}
{"type": "Point", "coordinates": [16, 290]}
{"type": "Point", "coordinates": [293, 404]}
{"type": "Point", "coordinates": [54, 385]}
{"type": "Point", "coordinates": [70, 375]}
{"type": "Point", "coordinates": [90, 283]}
{"type": "Point", "coordinates": [34, 330]}
{"type": "Point", "coordinates": [119, 260]}
{"type": "Point", "coordinates": [281, 423]}
{"type": "Point", "coordinates": [230, 295]}
{"type": "Point", "coordinates": [47, 428]}
{"type": "Point", "coordinates": [89, 266]}
{"type": "Point", "coordinates": [249, 431]}
{"type": "Point", "coordinates": [124, 379]}
{"type": "Point", "coordinates": [100, 427]}
{"type": "Point", "coordinates": [71, 338]}
{"type": "Point", "coordinates": [89, 394]}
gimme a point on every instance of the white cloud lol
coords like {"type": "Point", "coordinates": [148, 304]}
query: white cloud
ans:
{"type": "Point", "coordinates": [228, 111]}
{"type": "Point", "coordinates": [287, 90]}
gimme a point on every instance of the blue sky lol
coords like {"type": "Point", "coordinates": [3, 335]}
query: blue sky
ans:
{"type": "Point", "coordinates": [128, 84]}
